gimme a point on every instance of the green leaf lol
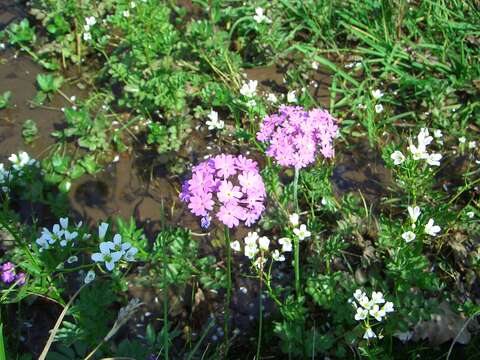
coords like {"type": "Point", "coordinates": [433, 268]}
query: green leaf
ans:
{"type": "Point", "coordinates": [29, 130]}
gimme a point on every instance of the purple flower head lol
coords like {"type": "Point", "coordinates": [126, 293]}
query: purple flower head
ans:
{"type": "Point", "coordinates": [7, 266]}
{"type": "Point", "coordinates": [20, 278]}
{"type": "Point", "coordinates": [8, 276]}
{"type": "Point", "coordinates": [229, 187]}
{"type": "Point", "coordinates": [295, 135]}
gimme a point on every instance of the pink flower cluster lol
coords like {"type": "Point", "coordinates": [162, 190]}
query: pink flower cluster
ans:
{"type": "Point", "coordinates": [229, 186]}
{"type": "Point", "coordinates": [295, 134]}
{"type": "Point", "coordinates": [8, 275]}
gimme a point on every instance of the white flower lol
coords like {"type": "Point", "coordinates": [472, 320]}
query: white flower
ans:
{"type": "Point", "coordinates": [414, 213]}
{"type": "Point", "coordinates": [424, 138]}
{"type": "Point", "coordinates": [359, 294]}
{"type": "Point", "coordinates": [90, 21]}
{"type": "Point", "coordinates": [365, 302]}
{"type": "Point", "coordinates": [260, 17]}
{"type": "Point", "coordinates": [472, 144]}
{"type": "Point", "coordinates": [20, 160]}
{"type": "Point", "coordinates": [249, 89]}
{"type": "Point", "coordinates": [462, 140]}
{"type": "Point", "coordinates": [43, 243]}
{"type": "Point", "coordinates": [251, 103]}
{"type": "Point", "coordinates": [397, 157]}
{"type": "Point", "coordinates": [235, 245]}
{"type": "Point", "coordinates": [214, 123]}
{"type": "Point", "coordinates": [361, 314]}
{"type": "Point", "coordinates": [276, 256]}
{"type": "Point", "coordinates": [118, 245]}
{"type": "Point", "coordinates": [72, 259]}
{"type": "Point", "coordinates": [419, 152]}
{"type": "Point", "coordinates": [89, 277]}
{"type": "Point", "coordinates": [105, 255]}
{"type": "Point", "coordinates": [315, 65]}
{"type": "Point", "coordinates": [369, 334]}
{"type": "Point", "coordinates": [471, 214]}
{"type": "Point", "coordinates": [286, 244]}
{"type": "Point", "coordinates": [377, 94]}
{"type": "Point", "coordinates": [294, 218]}
{"type": "Point", "coordinates": [377, 313]}
{"type": "Point", "coordinates": [251, 238]}
{"type": "Point", "coordinates": [377, 298]}
{"type": "Point", "coordinates": [378, 108]}
{"type": "Point", "coordinates": [408, 236]}
{"type": "Point", "coordinates": [292, 96]}
{"type": "Point", "coordinates": [126, 13]}
{"type": "Point", "coordinates": [263, 243]}
{"type": "Point", "coordinates": [437, 133]}
{"type": "Point", "coordinates": [64, 222]}
{"type": "Point", "coordinates": [130, 254]}
{"type": "Point", "coordinates": [68, 236]}
{"type": "Point", "coordinates": [388, 307]}
{"type": "Point", "coordinates": [302, 232]}
{"type": "Point", "coordinates": [432, 229]}
{"type": "Point", "coordinates": [434, 159]}
{"type": "Point", "coordinates": [102, 230]}
{"type": "Point", "coordinates": [361, 106]}
{"type": "Point", "coordinates": [251, 250]}
{"type": "Point", "coordinates": [272, 98]}
{"type": "Point", "coordinates": [87, 36]}
{"type": "Point", "coordinates": [132, 4]}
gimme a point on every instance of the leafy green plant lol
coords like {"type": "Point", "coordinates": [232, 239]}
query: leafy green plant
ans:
{"type": "Point", "coordinates": [29, 130]}
{"type": "Point", "coordinates": [5, 99]}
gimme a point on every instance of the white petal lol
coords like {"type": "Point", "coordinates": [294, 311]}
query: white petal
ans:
{"type": "Point", "coordinates": [97, 257]}
{"type": "Point", "coordinates": [116, 255]}
{"type": "Point", "coordinates": [110, 265]}
{"type": "Point", "coordinates": [105, 247]}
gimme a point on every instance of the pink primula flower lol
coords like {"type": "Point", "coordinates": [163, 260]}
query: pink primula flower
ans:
{"type": "Point", "coordinates": [237, 184]}
{"type": "Point", "coordinates": [295, 135]}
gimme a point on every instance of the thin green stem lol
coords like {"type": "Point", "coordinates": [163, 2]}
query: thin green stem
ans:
{"type": "Point", "coordinates": [295, 190]}
{"type": "Point", "coordinates": [165, 302]}
{"type": "Point", "coordinates": [260, 310]}
{"type": "Point", "coordinates": [296, 241]}
{"type": "Point", "coordinates": [229, 289]}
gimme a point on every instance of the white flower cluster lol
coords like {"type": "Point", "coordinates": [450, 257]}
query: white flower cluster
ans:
{"type": "Point", "coordinates": [300, 231]}
{"type": "Point", "coordinates": [18, 163]}
{"type": "Point", "coordinates": [113, 251]}
{"type": "Point", "coordinates": [370, 307]}
{"type": "Point", "coordinates": [249, 90]}
{"type": "Point", "coordinates": [214, 123]}
{"type": "Point", "coordinates": [430, 227]}
{"type": "Point", "coordinates": [60, 232]}
{"type": "Point", "coordinates": [256, 245]}
{"type": "Point", "coordinates": [260, 16]}
{"type": "Point", "coordinates": [419, 152]}
{"type": "Point", "coordinates": [377, 94]}
{"type": "Point", "coordinates": [89, 22]}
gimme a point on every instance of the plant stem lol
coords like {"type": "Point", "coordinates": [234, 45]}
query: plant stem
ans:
{"type": "Point", "coordinates": [229, 289]}
{"type": "Point", "coordinates": [295, 190]}
{"type": "Point", "coordinates": [296, 241]}
{"type": "Point", "coordinates": [260, 323]}
{"type": "Point", "coordinates": [165, 302]}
